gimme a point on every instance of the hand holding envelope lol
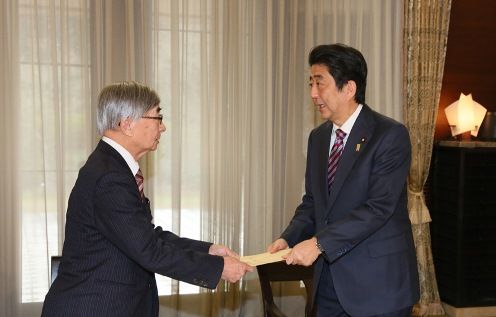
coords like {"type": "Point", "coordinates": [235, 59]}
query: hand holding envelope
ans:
{"type": "Point", "coordinates": [264, 258]}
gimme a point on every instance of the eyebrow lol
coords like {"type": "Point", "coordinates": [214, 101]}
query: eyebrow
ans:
{"type": "Point", "coordinates": [317, 76]}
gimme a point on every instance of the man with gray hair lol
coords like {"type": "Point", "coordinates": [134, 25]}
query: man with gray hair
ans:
{"type": "Point", "coordinates": [112, 249]}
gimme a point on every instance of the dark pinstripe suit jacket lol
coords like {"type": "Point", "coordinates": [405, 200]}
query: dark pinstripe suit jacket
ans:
{"type": "Point", "coordinates": [112, 249]}
{"type": "Point", "coordinates": [363, 224]}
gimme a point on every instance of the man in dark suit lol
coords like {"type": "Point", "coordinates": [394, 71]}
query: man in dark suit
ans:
{"type": "Point", "coordinates": [111, 248]}
{"type": "Point", "coordinates": [353, 220]}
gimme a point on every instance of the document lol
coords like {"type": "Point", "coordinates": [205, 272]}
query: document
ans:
{"type": "Point", "coordinates": [264, 258]}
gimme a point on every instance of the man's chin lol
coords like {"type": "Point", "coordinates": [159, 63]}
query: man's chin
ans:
{"type": "Point", "coordinates": [324, 115]}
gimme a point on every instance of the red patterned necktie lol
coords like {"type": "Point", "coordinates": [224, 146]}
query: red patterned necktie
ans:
{"type": "Point", "coordinates": [139, 181]}
{"type": "Point", "coordinates": [336, 151]}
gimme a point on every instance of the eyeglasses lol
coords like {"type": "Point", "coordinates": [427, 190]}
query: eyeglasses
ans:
{"type": "Point", "coordinates": [159, 117]}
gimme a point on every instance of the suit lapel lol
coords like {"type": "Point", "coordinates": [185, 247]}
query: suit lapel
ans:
{"type": "Point", "coordinates": [323, 157]}
{"type": "Point", "coordinates": [355, 145]}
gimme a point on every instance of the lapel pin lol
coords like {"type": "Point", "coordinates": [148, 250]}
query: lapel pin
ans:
{"type": "Point", "coordinates": [362, 140]}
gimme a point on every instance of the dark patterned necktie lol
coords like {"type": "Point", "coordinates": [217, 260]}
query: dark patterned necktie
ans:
{"type": "Point", "coordinates": [336, 151]}
{"type": "Point", "coordinates": [139, 181]}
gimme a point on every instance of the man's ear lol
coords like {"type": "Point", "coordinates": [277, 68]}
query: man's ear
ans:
{"type": "Point", "coordinates": [126, 126]}
{"type": "Point", "coordinates": [350, 89]}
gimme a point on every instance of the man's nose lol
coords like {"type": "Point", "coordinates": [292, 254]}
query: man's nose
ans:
{"type": "Point", "coordinates": [313, 91]}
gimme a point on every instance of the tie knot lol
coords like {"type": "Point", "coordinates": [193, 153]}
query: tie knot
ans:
{"type": "Point", "coordinates": [340, 134]}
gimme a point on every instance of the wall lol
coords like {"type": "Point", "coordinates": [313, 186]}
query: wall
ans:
{"type": "Point", "coordinates": [470, 65]}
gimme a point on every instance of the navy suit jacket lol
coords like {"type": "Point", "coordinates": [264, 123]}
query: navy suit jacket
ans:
{"type": "Point", "coordinates": [112, 249]}
{"type": "Point", "coordinates": [363, 224]}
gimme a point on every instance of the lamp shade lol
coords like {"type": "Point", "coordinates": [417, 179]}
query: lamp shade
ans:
{"type": "Point", "coordinates": [464, 115]}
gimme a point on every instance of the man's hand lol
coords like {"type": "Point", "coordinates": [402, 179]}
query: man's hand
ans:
{"type": "Point", "coordinates": [278, 245]}
{"type": "Point", "coordinates": [222, 250]}
{"type": "Point", "coordinates": [304, 253]}
{"type": "Point", "coordinates": [234, 269]}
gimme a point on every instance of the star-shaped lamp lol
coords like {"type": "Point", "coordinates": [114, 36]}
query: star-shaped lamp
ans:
{"type": "Point", "coordinates": [465, 115]}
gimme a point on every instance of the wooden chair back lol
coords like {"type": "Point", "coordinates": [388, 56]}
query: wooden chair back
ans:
{"type": "Point", "coordinates": [281, 272]}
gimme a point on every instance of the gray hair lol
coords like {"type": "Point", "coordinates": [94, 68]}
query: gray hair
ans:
{"type": "Point", "coordinates": [127, 99]}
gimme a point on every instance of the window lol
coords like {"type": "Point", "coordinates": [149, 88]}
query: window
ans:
{"type": "Point", "coordinates": [177, 170]}
{"type": "Point", "coordinates": [55, 136]}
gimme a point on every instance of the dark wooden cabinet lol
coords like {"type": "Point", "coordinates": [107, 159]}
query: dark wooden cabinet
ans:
{"type": "Point", "coordinates": [463, 224]}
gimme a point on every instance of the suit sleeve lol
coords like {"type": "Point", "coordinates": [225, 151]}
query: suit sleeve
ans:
{"type": "Point", "coordinates": [387, 183]}
{"type": "Point", "coordinates": [196, 245]}
{"type": "Point", "coordinates": [302, 225]}
{"type": "Point", "coordinates": [122, 218]}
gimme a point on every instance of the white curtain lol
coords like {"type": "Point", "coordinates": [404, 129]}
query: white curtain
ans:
{"type": "Point", "coordinates": [232, 76]}
{"type": "Point", "coordinates": [10, 272]}
{"type": "Point", "coordinates": [49, 138]}
{"type": "Point", "coordinates": [120, 43]}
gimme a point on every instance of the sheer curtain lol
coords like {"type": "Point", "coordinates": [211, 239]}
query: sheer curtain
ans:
{"type": "Point", "coordinates": [10, 289]}
{"type": "Point", "coordinates": [373, 27]}
{"type": "Point", "coordinates": [45, 119]}
{"type": "Point", "coordinates": [232, 76]}
{"type": "Point", "coordinates": [54, 134]}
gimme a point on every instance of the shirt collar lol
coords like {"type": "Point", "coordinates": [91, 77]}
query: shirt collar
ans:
{"type": "Point", "coordinates": [131, 162]}
{"type": "Point", "coordinates": [348, 124]}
